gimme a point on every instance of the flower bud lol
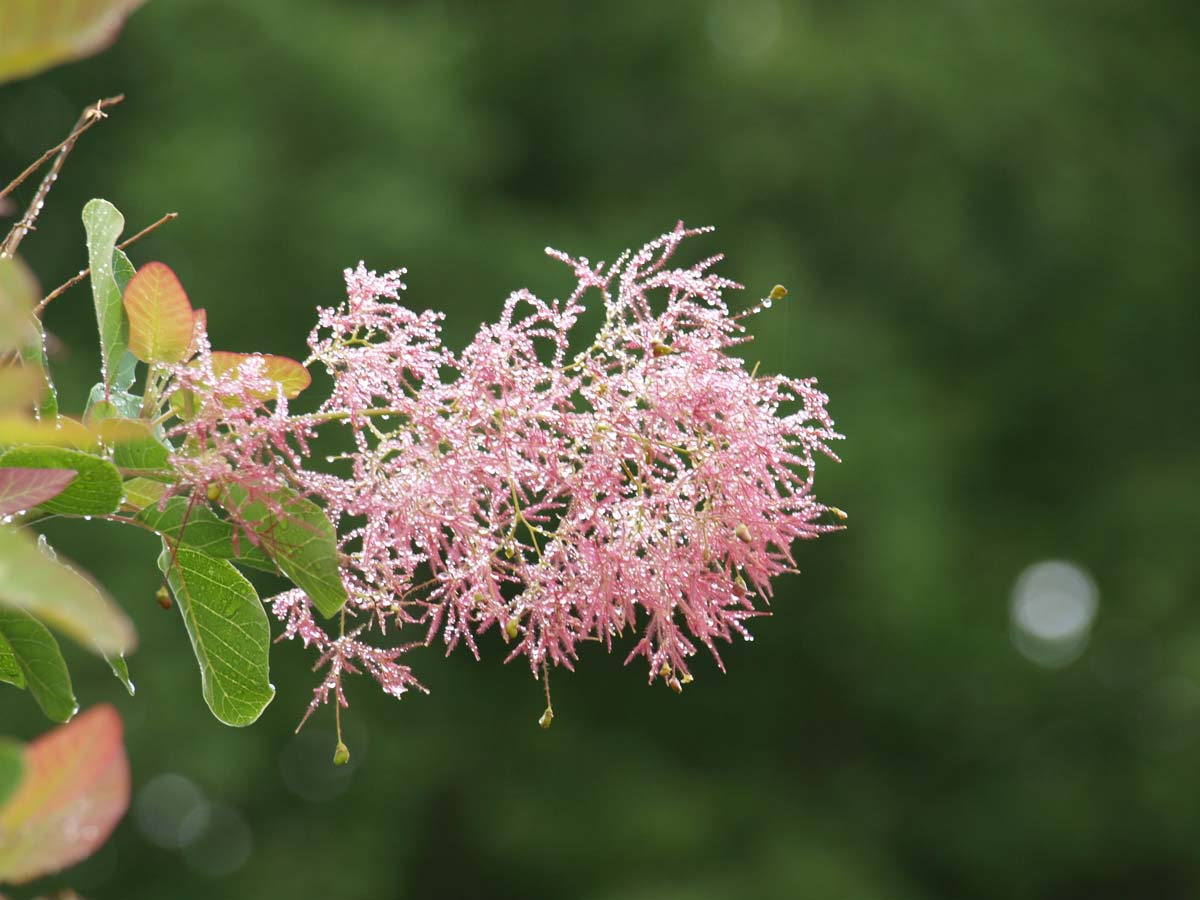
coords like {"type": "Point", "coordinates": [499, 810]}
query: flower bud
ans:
{"type": "Point", "coordinates": [547, 718]}
{"type": "Point", "coordinates": [163, 597]}
{"type": "Point", "coordinates": [778, 292]}
{"type": "Point", "coordinates": [341, 754]}
{"type": "Point", "coordinates": [512, 628]}
{"type": "Point", "coordinates": [743, 534]}
{"type": "Point", "coordinates": [213, 492]}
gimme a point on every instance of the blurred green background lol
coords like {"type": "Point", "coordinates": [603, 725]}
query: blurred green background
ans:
{"type": "Point", "coordinates": [987, 214]}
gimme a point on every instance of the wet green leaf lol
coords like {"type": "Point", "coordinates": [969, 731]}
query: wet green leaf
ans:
{"type": "Point", "coordinates": [95, 490]}
{"type": "Point", "coordinates": [41, 662]}
{"type": "Point", "coordinates": [297, 534]}
{"type": "Point", "coordinates": [104, 223]}
{"type": "Point", "coordinates": [34, 582]}
{"type": "Point", "coordinates": [229, 632]}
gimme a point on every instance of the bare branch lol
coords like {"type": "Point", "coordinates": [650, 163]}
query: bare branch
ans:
{"type": "Point", "coordinates": [88, 118]}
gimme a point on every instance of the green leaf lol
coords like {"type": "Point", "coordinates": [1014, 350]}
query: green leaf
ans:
{"type": "Point", "coordinates": [297, 534]}
{"type": "Point", "coordinates": [12, 767]}
{"type": "Point", "coordinates": [200, 529]}
{"type": "Point", "coordinates": [74, 792]}
{"type": "Point", "coordinates": [103, 223]}
{"type": "Point", "coordinates": [95, 491]}
{"type": "Point", "coordinates": [32, 581]}
{"type": "Point", "coordinates": [33, 355]}
{"type": "Point", "coordinates": [142, 492]}
{"type": "Point", "coordinates": [10, 669]}
{"type": "Point", "coordinates": [107, 403]}
{"type": "Point", "coordinates": [134, 445]}
{"type": "Point", "coordinates": [42, 665]}
{"type": "Point", "coordinates": [23, 488]}
{"type": "Point", "coordinates": [228, 628]}
{"type": "Point", "coordinates": [120, 670]}
{"type": "Point", "coordinates": [160, 315]}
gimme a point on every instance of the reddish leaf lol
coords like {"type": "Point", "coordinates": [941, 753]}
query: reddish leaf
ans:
{"type": "Point", "coordinates": [160, 316]}
{"type": "Point", "coordinates": [291, 374]}
{"type": "Point", "coordinates": [22, 488]}
{"type": "Point", "coordinates": [75, 790]}
{"type": "Point", "coordinates": [37, 34]}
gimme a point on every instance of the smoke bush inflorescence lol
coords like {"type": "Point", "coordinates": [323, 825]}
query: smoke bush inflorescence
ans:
{"type": "Point", "coordinates": [648, 484]}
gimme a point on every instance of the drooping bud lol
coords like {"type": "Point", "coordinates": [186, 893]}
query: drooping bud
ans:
{"type": "Point", "coordinates": [743, 533]}
{"type": "Point", "coordinates": [162, 597]}
{"type": "Point", "coordinates": [778, 292]}
{"type": "Point", "coordinates": [547, 718]}
{"type": "Point", "coordinates": [213, 492]}
{"type": "Point", "coordinates": [341, 754]}
{"type": "Point", "coordinates": [512, 628]}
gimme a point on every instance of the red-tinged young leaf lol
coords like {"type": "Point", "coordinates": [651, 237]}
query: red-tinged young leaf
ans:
{"type": "Point", "coordinates": [160, 315]}
{"type": "Point", "coordinates": [289, 373]}
{"type": "Point", "coordinates": [37, 34]}
{"type": "Point", "coordinates": [22, 488]}
{"type": "Point", "coordinates": [74, 792]}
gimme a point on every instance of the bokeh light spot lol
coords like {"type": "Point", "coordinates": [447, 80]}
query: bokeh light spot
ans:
{"type": "Point", "coordinates": [1052, 609]}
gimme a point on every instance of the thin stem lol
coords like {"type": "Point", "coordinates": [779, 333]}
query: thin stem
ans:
{"type": "Point", "coordinates": [90, 117]}
{"type": "Point", "coordinates": [87, 119]}
{"type": "Point", "coordinates": [548, 714]}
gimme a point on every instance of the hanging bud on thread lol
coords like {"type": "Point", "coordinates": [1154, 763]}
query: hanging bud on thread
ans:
{"type": "Point", "coordinates": [341, 754]}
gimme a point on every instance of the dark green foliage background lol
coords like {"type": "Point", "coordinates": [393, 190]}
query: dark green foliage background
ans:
{"type": "Point", "coordinates": [988, 216]}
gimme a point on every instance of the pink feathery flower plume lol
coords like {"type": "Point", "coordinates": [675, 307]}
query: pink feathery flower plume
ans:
{"type": "Point", "coordinates": [648, 483]}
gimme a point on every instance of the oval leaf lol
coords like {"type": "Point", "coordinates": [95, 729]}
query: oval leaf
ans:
{"type": "Point", "coordinates": [160, 316]}
{"type": "Point", "coordinates": [229, 632]}
{"type": "Point", "coordinates": [284, 370]}
{"type": "Point", "coordinates": [198, 528]}
{"type": "Point", "coordinates": [297, 534]}
{"type": "Point", "coordinates": [95, 489]}
{"type": "Point", "coordinates": [60, 596]}
{"type": "Point", "coordinates": [38, 34]}
{"type": "Point", "coordinates": [60, 432]}
{"type": "Point", "coordinates": [43, 669]}
{"type": "Point", "coordinates": [74, 792]}
{"type": "Point", "coordinates": [103, 223]}
{"type": "Point", "coordinates": [23, 488]}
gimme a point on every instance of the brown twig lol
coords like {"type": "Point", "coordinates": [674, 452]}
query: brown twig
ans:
{"type": "Point", "coordinates": [88, 118]}
{"type": "Point", "coordinates": [37, 310]}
